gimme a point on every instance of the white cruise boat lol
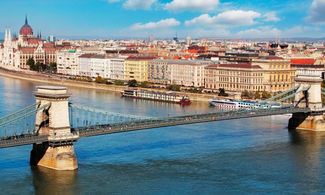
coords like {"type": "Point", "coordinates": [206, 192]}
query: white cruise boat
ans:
{"type": "Point", "coordinates": [230, 104]}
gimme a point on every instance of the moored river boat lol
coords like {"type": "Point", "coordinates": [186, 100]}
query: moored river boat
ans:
{"type": "Point", "coordinates": [170, 97]}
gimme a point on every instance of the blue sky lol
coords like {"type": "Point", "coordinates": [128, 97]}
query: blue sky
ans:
{"type": "Point", "coordinates": [163, 18]}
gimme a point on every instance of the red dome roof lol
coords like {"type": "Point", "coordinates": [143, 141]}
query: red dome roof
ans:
{"type": "Point", "coordinates": [26, 29]}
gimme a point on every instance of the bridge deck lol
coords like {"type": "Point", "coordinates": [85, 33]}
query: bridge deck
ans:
{"type": "Point", "coordinates": [182, 120]}
{"type": "Point", "coordinates": [156, 123]}
{"type": "Point", "coordinates": [22, 140]}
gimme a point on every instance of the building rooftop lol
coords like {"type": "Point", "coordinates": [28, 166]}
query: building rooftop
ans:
{"type": "Point", "coordinates": [185, 62]}
{"type": "Point", "coordinates": [141, 57]}
{"type": "Point", "coordinates": [245, 66]}
{"type": "Point", "coordinates": [302, 61]}
{"type": "Point", "coordinates": [271, 58]}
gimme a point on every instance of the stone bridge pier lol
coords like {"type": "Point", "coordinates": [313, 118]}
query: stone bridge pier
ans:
{"type": "Point", "coordinates": [311, 99]}
{"type": "Point", "coordinates": [58, 152]}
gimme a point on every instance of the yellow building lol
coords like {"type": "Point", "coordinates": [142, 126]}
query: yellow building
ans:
{"type": "Point", "coordinates": [277, 73]}
{"type": "Point", "coordinates": [137, 68]}
{"type": "Point", "coordinates": [234, 77]}
{"type": "Point", "coordinates": [271, 74]}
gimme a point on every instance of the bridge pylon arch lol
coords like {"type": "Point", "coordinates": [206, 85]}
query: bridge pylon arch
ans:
{"type": "Point", "coordinates": [311, 98]}
{"type": "Point", "coordinates": [58, 152]}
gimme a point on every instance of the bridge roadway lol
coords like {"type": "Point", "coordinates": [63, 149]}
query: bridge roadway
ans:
{"type": "Point", "coordinates": [183, 120]}
{"type": "Point", "coordinates": [156, 123]}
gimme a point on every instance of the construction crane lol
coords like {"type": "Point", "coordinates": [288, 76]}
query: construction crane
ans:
{"type": "Point", "coordinates": [205, 46]}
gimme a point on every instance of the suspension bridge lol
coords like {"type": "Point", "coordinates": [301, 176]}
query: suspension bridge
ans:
{"type": "Point", "coordinates": [53, 123]}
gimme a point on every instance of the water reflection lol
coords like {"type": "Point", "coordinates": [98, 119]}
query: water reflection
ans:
{"type": "Point", "coordinates": [48, 181]}
{"type": "Point", "coordinates": [306, 150]}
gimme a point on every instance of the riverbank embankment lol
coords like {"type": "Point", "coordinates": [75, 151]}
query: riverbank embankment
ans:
{"type": "Point", "coordinates": [62, 81]}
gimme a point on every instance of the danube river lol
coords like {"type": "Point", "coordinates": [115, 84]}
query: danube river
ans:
{"type": "Point", "coordinates": [235, 157]}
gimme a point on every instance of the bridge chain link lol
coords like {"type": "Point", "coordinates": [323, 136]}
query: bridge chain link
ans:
{"type": "Point", "coordinates": [181, 120]}
{"type": "Point", "coordinates": [295, 88]}
{"type": "Point", "coordinates": [86, 116]}
{"type": "Point", "coordinates": [20, 123]}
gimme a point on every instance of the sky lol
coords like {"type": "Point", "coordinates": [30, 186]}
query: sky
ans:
{"type": "Point", "coordinates": [128, 19]}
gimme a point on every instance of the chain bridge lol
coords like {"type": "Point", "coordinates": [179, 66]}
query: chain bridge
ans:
{"type": "Point", "coordinates": [53, 123]}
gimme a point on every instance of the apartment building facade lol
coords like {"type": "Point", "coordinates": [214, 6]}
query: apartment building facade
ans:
{"type": "Point", "coordinates": [137, 68]}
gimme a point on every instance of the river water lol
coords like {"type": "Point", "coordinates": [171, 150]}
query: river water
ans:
{"type": "Point", "coordinates": [234, 157]}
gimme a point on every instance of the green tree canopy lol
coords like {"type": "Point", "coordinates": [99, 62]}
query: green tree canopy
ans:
{"type": "Point", "coordinates": [118, 82]}
{"type": "Point", "coordinates": [132, 83]}
{"type": "Point", "coordinates": [174, 87]}
{"type": "Point", "coordinates": [100, 80]}
{"type": "Point", "coordinates": [145, 84]}
{"type": "Point", "coordinates": [222, 92]}
{"type": "Point", "coordinates": [257, 95]}
{"type": "Point", "coordinates": [31, 63]}
{"type": "Point", "coordinates": [266, 95]}
{"type": "Point", "coordinates": [53, 66]}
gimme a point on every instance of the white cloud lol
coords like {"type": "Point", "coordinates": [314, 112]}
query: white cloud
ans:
{"type": "Point", "coordinates": [271, 17]}
{"type": "Point", "coordinates": [230, 18]}
{"type": "Point", "coordinates": [298, 31]}
{"type": "Point", "coordinates": [272, 32]}
{"type": "Point", "coordinates": [136, 4]}
{"type": "Point", "coordinates": [191, 5]}
{"type": "Point", "coordinates": [139, 4]}
{"type": "Point", "coordinates": [260, 32]}
{"type": "Point", "coordinates": [166, 23]}
{"type": "Point", "coordinates": [316, 12]}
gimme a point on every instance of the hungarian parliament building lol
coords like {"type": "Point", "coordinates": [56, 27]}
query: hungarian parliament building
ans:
{"type": "Point", "coordinates": [15, 51]}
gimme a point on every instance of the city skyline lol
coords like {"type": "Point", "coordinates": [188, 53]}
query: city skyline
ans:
{"type": "Point", "coordinates": [164, 18]}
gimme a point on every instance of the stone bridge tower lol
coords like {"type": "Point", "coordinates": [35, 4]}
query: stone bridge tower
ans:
{"type": "Point", "coordinates": [311, 99]}
{"type": "Point", "coordinates": [58, 152]}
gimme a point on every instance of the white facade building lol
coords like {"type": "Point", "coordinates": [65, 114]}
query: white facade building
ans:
{"type": "Point", "coordinates": [85, 65]}
{"type": "Point", "coordinates": [68, 62]}
{"type": "Point", "coordinates": [101, 65]}
{"type": "Point", "coordinates": [189, 73]}
{"type": "Point", "coordinates": [117, 66]}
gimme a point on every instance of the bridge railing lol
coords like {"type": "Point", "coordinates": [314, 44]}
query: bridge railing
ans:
{"type": "Point", "coordinates": [21, 122]}
{"type": "Point", "coordinates": [187, 119]}
{"type": "Point", "coordinates": [85, 116]}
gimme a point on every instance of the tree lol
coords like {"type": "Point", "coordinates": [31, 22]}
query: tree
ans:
{"type": "Point", "coordinates": [145, 84]}
{"type": "Point", "coordinates": [222, 92]}
{"type": "Point", "coordinates": [118, 82]}
{"type": "Point", "coordinates": [265, 95]}
{"type": "Point", "coordinates": [44, 67]}
{"type": "Point", "coordinates": [31, 63]}
{"type": "Point", "coordinates": [89, 79]}
{"type": "Point", "coordinates": [257, 95]}
{"type": "Point", "coordinates": [174, 87]}
{"type": "Point", "coordinates": [53, 66]}
{"type": "Point", "coordinates": [99, 79]}
{"type": "Point", "coordinates": [38, 66]}
{"type": "Point", "coordinates": [246, 94]}
{"type": "Point", "coordinates": [132, 83]}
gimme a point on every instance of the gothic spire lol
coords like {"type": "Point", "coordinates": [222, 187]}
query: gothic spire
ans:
{"type": "Point", "coordinates": [26, 22]}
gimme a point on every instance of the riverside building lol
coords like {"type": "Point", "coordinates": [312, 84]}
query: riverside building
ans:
{"type": "Point", "coordinates": [234, 77]}
{"type": "Point", "coordinates": [15, 52]}
{"type": "Point", "coordinates": [68, 62]}
{"type": "Point", "coordinates": [136, 67]}
{"type": "Point", "coordinates": [278, 74]}
{"type": "Point", "coordinates": [101, 65]}
{"type": "Point", "coordinates": [271, 74]}
{"type": "Point", "coordinates": [188, 73]}
{"type": "Point", "coordinates": [159, 71]}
